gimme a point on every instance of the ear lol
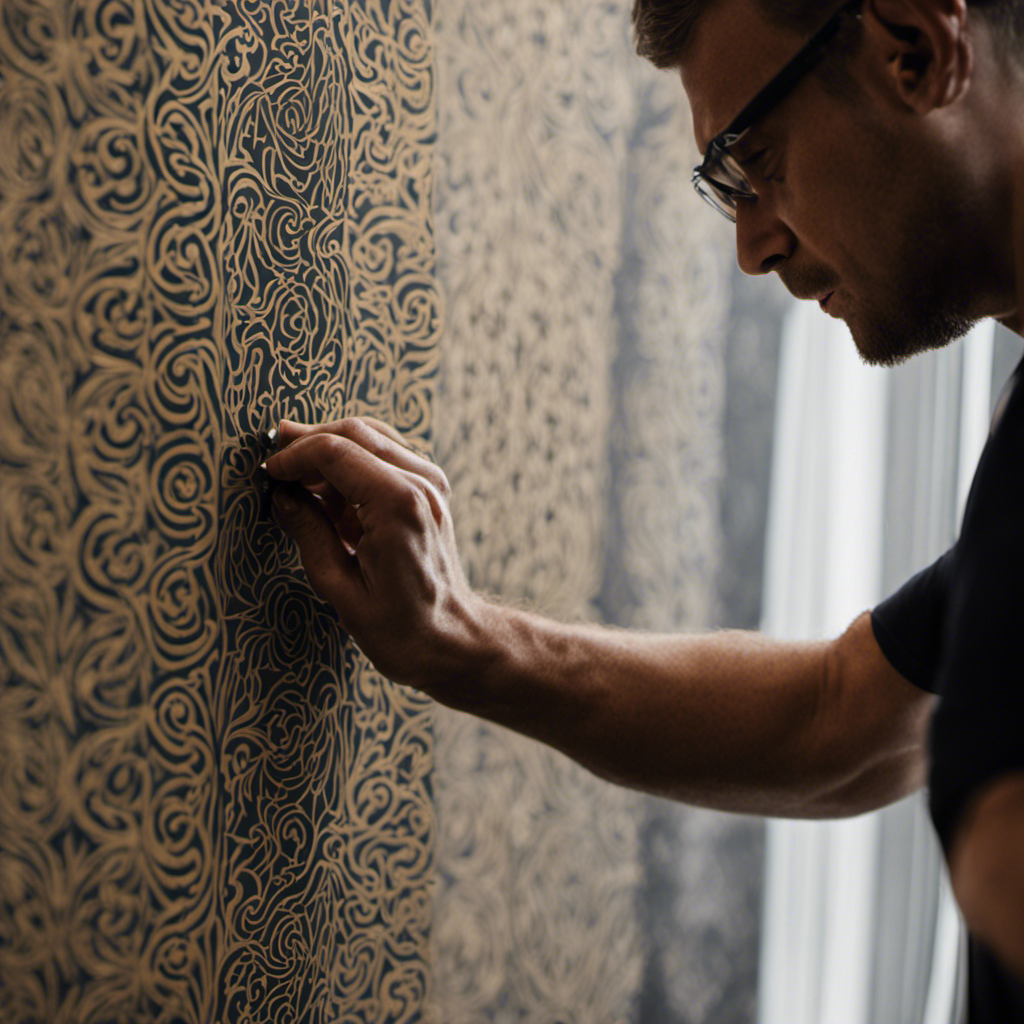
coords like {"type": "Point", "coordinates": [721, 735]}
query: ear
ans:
{"type": "Point", "coordinates": [922, 49]}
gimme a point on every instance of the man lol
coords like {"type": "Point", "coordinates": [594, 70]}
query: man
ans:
{"type": "Point", "coordinates": [873, 156]}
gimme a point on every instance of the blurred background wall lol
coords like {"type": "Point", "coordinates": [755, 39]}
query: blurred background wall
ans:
{"type": "Point", "coordinates": [604, 414]}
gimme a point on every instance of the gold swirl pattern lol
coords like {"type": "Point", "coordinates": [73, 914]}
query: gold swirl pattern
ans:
{"type": "Point", "coordinates": [212, 214]}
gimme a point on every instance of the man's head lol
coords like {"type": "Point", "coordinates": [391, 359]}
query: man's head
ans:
{"type": "Point", "coordinates": [664, 28]}
{"type": "Point", "coordinates": [882, 181]}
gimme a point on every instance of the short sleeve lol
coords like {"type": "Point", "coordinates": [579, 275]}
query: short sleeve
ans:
{"type": "Point", "coordinates": [909, 626]}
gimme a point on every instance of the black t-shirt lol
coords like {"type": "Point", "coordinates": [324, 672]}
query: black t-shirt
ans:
{"type": "Point", "coordinates": [955, 629]}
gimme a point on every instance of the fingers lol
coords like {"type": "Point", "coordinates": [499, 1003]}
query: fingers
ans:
{"type": "Point", "coordinates": [290, 431]}
{"type": "Point", "coordinates": [373, 436]}
{"type": "Point", "coordinates": [374, 532]}
{"type": "Point", "coordinates": [380, 494]}
{"type": "Point", "coordinates": [333, 573]}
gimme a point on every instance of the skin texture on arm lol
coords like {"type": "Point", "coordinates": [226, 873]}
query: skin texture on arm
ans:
{"type": "Point", "coordinates": [730, 720]}
{"type": "Point", "coordinates": [985, 868]}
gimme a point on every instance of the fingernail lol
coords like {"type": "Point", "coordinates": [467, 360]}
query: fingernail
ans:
{"type": "Point", "coordinates": [263, 466]}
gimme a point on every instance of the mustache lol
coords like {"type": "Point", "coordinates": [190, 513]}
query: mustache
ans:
{"type": "Point", "coordinates": [808, 282]}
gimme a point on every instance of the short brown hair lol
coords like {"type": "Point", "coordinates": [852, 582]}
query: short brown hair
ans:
{"type": "Point", "coordinates": [663, 28]}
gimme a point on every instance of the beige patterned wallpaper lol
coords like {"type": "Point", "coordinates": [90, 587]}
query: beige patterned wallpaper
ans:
{"type": "Point", "coordinates": [211, 215]}
{"type": "Point", "coordinates": [214, 213]}
{"type": "Point", "coordinates": [578, 418]}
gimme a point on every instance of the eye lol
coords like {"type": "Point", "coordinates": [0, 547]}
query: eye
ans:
{"type": "Point", "coordinates": [763, 164]}
{"type": "Point", "coordinates": [754, 159]}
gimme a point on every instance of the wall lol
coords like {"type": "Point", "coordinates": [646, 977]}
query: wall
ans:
{"type": "Point", "coordinates": [212, 215]}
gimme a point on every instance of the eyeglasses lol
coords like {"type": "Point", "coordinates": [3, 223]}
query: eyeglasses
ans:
{"type": "Point", "coordinates": [720, 178]}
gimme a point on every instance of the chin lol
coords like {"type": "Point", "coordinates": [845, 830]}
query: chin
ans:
{"type": "Point", "coordinates": [889, 343]}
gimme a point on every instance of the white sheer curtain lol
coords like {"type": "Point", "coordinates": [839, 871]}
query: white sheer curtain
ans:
{"type": "Point", "coordinates": [870, 471]}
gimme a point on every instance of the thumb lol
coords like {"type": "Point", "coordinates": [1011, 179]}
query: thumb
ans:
{"type": "Point", "coordinates": [333, 573]}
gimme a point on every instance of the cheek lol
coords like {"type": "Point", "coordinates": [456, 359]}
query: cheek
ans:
{"type": "Point", "coordinates": [839, 185]}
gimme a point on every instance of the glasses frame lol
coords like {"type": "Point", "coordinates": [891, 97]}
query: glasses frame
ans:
{"type": "Point", "coordinates": [723, 195]}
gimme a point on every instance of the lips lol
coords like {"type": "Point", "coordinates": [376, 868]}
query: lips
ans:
{"type": "Point", "coordinates": [823, 301]}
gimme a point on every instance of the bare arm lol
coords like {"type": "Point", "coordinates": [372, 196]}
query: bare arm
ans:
{"type": "Point", "coordinates": [985, 868]}
{"type": "Point", "coordinates": [731, 720]}
{"type": "Point", "coordinates": [728, 720]}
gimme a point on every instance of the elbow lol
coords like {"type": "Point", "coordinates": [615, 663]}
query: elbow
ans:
{"type": "Point", "coordinates": [986, 865]}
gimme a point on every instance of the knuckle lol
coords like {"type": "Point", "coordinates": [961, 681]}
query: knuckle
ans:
{"type": "Point", "coordinates": [331, 443]}
{"type": "Point", "coordinates": [354, 428]}
{"type": "Point", "coordinates": [326, 450]}
{"type": "Point", "coordinates": [311, 441]}
{"type": "Point", "coordinates": [408, 502]}
{"type": "Point", "coordinates": [416, 504]}
{"type": "Point", "coordinates": [385, 428]}
{"type": "Point", "coordinates": [432, 501]}
{"type": "Point", "coordinates": [441, 483]}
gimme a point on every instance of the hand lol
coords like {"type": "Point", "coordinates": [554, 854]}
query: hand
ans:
{"type": "Point", "coordinates": [375, 536]}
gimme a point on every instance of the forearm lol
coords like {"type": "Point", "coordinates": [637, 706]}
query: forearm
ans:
{"type": "Point", "coordinates": [732, 720]}
{"type": "Point", "coordinates": [729, 720]}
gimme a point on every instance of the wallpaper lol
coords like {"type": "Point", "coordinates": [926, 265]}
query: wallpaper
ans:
{"type": "Point", "coordinates": [578, 417]}
{"type": "Point", "coordinates": [214, 213]}
{"type": "Point", "coordinates": [211, 215]}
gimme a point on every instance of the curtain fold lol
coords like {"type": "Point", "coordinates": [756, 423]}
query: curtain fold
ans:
{"type": "Point", "coordinates": [868, 484]}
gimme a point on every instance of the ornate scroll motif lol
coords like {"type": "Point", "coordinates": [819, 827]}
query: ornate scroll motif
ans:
{"type": "Point", "coordinates": [211, 214]}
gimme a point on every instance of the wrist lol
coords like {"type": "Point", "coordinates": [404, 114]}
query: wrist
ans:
{"type": "Point", "coordinates": [473, 653]}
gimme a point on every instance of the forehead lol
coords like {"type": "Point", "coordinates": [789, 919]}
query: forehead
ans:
{"type": "Point", "coordinates": [733, 53]}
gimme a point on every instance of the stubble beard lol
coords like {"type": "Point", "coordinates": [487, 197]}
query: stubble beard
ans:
{"type": "Point", "coordinates": [925, 309]}
{"type": "Point", "coordinates": [931, 292]}
{"type": "Point", "coordinates": [914, 321]}
{"type": "Point", "coordinates": [922, 304]}
{"type": "Point", "coordinates": [893, 339]}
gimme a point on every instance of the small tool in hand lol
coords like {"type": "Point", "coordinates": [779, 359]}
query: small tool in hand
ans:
{"type": "Point", "coordinates": [265, 483]}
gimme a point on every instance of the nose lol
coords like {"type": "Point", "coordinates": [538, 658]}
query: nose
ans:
{"type": "Point", "coordinates": [762, 238]}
